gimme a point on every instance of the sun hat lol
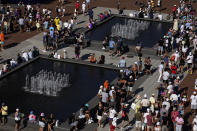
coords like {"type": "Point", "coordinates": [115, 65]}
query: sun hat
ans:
{"type": "Point", "coordinates": [42, 114]}
{"type": "Point", "coordinates": [101, 86]}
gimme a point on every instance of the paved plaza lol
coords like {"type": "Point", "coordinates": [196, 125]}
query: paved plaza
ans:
{"type": "Point", "coordinates": [145, 84]}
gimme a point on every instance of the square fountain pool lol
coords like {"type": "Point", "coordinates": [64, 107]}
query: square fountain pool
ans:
{"type": "Point", "coordinates": [84, 84]}
{"type": "Point", "coordinates": [132, 30]}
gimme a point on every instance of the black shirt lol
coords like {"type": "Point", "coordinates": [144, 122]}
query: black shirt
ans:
{"type": "Point", "coordinates": [100, 111]}
{"type": "Point", "coordinates": [165, 120]}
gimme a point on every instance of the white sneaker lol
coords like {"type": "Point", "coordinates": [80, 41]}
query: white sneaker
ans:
{"type": "Point", "coordinates": [103, 48]}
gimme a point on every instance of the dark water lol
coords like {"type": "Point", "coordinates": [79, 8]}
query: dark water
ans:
{"type": "Point", "coordinates": [85, 84]}
{"type": "Point", "coordinates": [148, 37]}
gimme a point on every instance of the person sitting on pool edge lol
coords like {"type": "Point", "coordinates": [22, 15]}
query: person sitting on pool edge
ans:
{"type": "Point", "coordinates": [92, 58]}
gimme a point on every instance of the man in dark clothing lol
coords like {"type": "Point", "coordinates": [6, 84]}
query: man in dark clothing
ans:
{"type": "Point", "coordinates": [90, 13]}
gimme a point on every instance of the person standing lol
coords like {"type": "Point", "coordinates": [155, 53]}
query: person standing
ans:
{"type": "Point", "coordinates": [42, 122]}
{"type": "Point", "coordinates": [77, 5]}
{"type": "Point", "coordinates": [179, 123]}
{"type": "Point", "coordinates": [88, 3]}
{"type": "Point", "coordinates": [138, 120]}
{"type": "Point", "coordinates": [90, 13]}
{"type": "Point", "coordinates": [51, 122]}
{"type": "Point", "coordinates": [17, 118]}
{"type": "Point", "coordinates": [83, 6]}
{"type": "Point", "coordinates": [100, 113]}
{"type": "Point", "coordinates": [2, 39]}
{"type": "Point", "coordinates": [77, 51]}
{"type": "Point", "coordinates": [21, 23]}
{"type": "Point", "coordinates": [161, 68]}
{"type": "Point", "coordinates": [195, 123]}
{"type": "Point", "coordinates": [189, 63]}
{"type": "Point", "coordinates": [4, 113]}
{"type": "Point", "coordinates": [125, 117]}
{"type": "Point", "coordinates": [193, 99]}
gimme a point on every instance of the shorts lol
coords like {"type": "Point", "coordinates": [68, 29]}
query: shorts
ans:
{"type": "Point", "coordinates": [165, 81]}
{"type": "Point", "coordinates": [194, 107]}
{"type": "Point", "coordinates": [111, 48]}
{"type": "Point", "coordinates": [149, 127]}
{"type": "Point", "coordinates": [41, 124]}
{"type": "Point", "coordinates": [17, 121]}
{"type": "Point", "coordinates": [104, 104]}
{"type": "Point", "coordinates": [110, 119]}
{"type": "Point", "coordinates": [99, 117]}
{"type": "Point", "coordinates": [189, 64]}
{"type": "Point", "coordinates": [138, 124]}
{"type": "Point", "coordinates": [138, 47]}
{"type": "Point", "coordinates": [160, 48]}
{"type": "Point", "coordinates": [130, 89]}
{"type": "Point", "coordinates": [144, 109]}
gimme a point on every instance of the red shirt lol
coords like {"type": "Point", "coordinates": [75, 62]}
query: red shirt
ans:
{"type": "Point", "coordinates": [149, 120]}
{"type": "Point", "coordinates": [174, 8]}
{"type": "Point", "coordinates": [173, 69]}
{"type": "Point", "coordinates": [174, 114]}
{"type": "Point", "coordinates": [77, 5]}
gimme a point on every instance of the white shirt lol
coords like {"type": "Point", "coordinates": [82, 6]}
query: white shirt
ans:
{"type": "Point", "coordinates": [176, 57]}
{"type": "Point", "coordinates": [83, 6]}
{"type": "Point", "coordinates": [111, 92]}
{"type": "Point", "coordinates": [114, 123]}
{"type": "Point", "coordinates": [174, 97]}
{"type": "Point", "coordinates": [167, 105]}
{"type": "Point", "coordinates": [165, 75]}
{"type": "Point", "coordinates": [66, 24]}
{"type": "Point", "coordinates": [184, 49]}
{"type": "Point", "coordinates": [104, 97]}
{"type": "Point", "coordinates": [170, 88]}
{"type": "Point", "coordinates": [189, 58]}
{"type": "Point", "coordinates": [193, 99]}
{"type": "Point", "coordinates": [160, 17]}
{"type": "Point", "coordinates": [195, 124]}
{"type": "Point", "coordinates": [160, 68]}
{"type": "Point", "coordinates": [112, 113]}
{"type": "Point", "coordinates": [25, 56]}
{"type": "Point", "coordinates": [100, 91]}
{"type": "Point", "coordinates": [13, 63]}
{"type": "Point", "coordinates": [72, 22]}
{"type": "Point", "coordinates": [145, 117]}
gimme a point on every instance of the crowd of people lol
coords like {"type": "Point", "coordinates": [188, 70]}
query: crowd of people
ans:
{"type": "Point", "coordinates": [155, 113]}
{"type": "Point", "coordinates": [22, 57]}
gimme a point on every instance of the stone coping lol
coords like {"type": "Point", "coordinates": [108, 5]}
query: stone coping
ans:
{"type": "Point", "coordinates": [125, 16]}
{"type": "Point", "coordinates": [72, 61]}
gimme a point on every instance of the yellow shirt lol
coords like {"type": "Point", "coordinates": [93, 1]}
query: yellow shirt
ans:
{"type": "Point", "coordinates": [4, 110]}
{"type": "Point", "coordinates": [152, 100]}
{"type": "Point", "coordinates": [58, 27]}
{"type": "Point", "coordinates": [56, 20]}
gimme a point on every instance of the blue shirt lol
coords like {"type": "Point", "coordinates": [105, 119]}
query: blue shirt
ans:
{"type": "Point", "coordinates": [111, 44]}
{"type": "Point", "coordinates": [46, 24]}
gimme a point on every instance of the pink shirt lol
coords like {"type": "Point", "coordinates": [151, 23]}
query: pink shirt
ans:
{"type": "Point", "coordinates": [179, 120]}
